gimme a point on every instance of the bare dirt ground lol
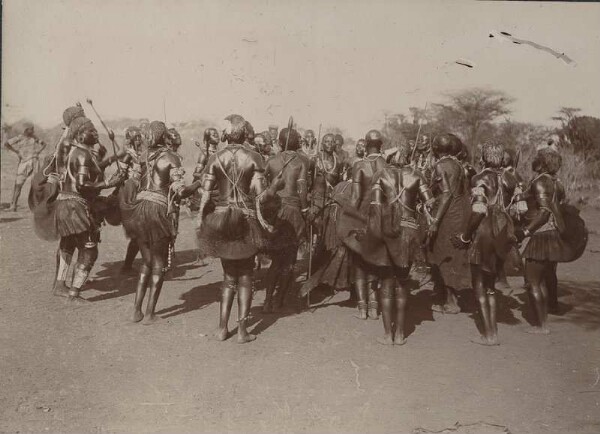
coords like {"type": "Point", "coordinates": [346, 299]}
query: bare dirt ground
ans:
{"type": "Point", "coordinates": [88, 369]}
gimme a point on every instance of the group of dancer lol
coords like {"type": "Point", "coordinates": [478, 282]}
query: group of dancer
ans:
{"type": "Point", "coordinates": [364, 219]}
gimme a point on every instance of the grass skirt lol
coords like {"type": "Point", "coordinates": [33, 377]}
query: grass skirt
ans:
{"type": "Point", "coordinates": [400, 251]}
{"type": "Point", "coordinates": [147, 222]}
{"type": "Point", "coordinates": [72, 217]}
{"type": "Point", "coordinates": [547, 246]}
{"type": "Point", "coordinates": [231, 233]}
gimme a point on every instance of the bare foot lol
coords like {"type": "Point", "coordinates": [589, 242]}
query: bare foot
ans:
{"type": "Point", "coordinates": [437, 308]}
{"type": "Point", "coordinates": [200, 262]}
{"type": "Point", "coordinates": [538, 331]}
{"type": "Point", "coordinates": [77, 300]}
{"type": "Point", "coordinates": [386, 340]}
{"type": "Point", "coordinates": [503, 284]}
{"type": "Point", "coordinates": [399, 340]}
{"type": "Point", "coordinates": [245, 338]}
{"type": "Point", "coordinates": [362, 314]}
{"type": "Point", "coordinates": [152, 319]}
{"type": "Point", "coordinates": [61, 290]}
{"type": "Point", "coordinates": [482, 341]}
{"type": "Point", "coordinates": [373, 314]}
{"type": "Point", "coordinates": [137, 316]}
{"type": "Point", "coordinates": [222, 334]}
{"type": "Point", "coordinates": [451, 309]}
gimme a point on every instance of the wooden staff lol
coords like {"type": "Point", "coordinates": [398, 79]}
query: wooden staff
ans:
{"type": "Point", "coordinates": [108, 131]}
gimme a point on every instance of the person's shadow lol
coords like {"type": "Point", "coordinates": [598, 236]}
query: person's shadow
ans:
{"type": "Point", "coordinates": [113, 284]}
{"type": "Point", "coordinates": [196, 298]}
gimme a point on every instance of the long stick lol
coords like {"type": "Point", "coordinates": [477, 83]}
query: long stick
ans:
{"type": "Point", "coordinates": [289, 130]}
{"type": "Point", "coordinates": [114, 145]}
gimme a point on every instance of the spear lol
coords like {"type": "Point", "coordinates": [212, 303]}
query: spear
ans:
{"type": "Point", "coordinates": [111, 134]}
{"type": "Point", "coordinates": [412, 155]}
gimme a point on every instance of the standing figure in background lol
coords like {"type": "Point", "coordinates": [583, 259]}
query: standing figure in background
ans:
{"type": "Point", "coordinates": [133, 165]}
{"type": "Point", "coordinates": [274, 138]}
{"type": "Point", "coordinates": [262, 145]}
{"type": "Point", "coordinates": [363, 171]}
{"type": "Point", "coordinates": [147, 220]}
{"type": "Point", "coordinates": [391, 243]}
{"type": "Point", "coordinates": [210, 141]}
{"type": "Point", "coordinates": [449, 265]}
{"type": "Point", "coordinates": [232, 230]}
{"type": "Point", "coordinates": [545, 247]}
{"type": "Point", "coordinates": [342, 154]}
{"type": "Point", "coordinates": [328, 173]}
{"type": "Point", "coordinates": [290, 228]}
{"type": "Point", "coordinates": [489, 235]}
{"type": "Point", "coordinates": [28, 148]}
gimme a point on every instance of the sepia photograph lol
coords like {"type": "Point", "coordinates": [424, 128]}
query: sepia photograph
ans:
{"type": "Point", "coordinates": [320, 216]}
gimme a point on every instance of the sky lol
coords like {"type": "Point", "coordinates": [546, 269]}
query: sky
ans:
{"type": "Point", "coordinates": [339, 63]}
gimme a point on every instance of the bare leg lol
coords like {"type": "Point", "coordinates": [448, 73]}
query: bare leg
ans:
{"type": "Point", "coordinates": [402, 275]}
{"type": "Point", "coordinates": [451, 305]}
{"type": "Point", "coordinates": [156, 281]}
{"type": "Point", "coordinates": [64, 255]}
{"type": "Point", "coordinates": [361, 294]}
{"type": "Point", "coordinates": [140, 293]}
{"type": "Point", "coordinates": [244, 303]}
{"type": "Point", "coordinates": [535, 276]}
{"type": "Point", "coordinates": [86, 258]}
{"type": "Point", "coordinates": [132, 251]}
{"type": "Point", "coordinates": [477, 278]}
{"type": "Point", "coordinates": [401, 299]}
{"type": "Point", "coordinates": [227, 294]}
{"type": "Point", "coordinates": [373, 301]}
{"type": "Point", "coordinates": [501, 279]}
{"type": "Point", "coordinates": [552, 285]}
{"type": "Point", "coordinates": [16, 195]}
{"type": "Point", "coordinates": [388, 291]}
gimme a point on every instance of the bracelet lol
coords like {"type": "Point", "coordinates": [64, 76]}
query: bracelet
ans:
{"type": "Point", "coordinates": [463, 240]}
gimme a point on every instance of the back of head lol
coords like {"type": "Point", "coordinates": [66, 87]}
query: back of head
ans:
{"type": "Point", "coordinates": [547, 160]}
{"type": "Point", "coordinates": [158, 131]}
{"type": "Point", "coordinates": [71, 113]}
{"type": "Point", "coordinates": [446, 144]}
{"type": "Point", "coordinates": [131, 132]}
{"type": "Point", "coordinates": [173, 137]}
{"type": "Point", "coordinates": [373, 140]}
{"type": "Point", "coordinates": [492, 153]}
{"type": "Point", "coordinates": [293, 143]}
{"type": "Point", "coordinates": [402, 156]}
{"type": "Point", "coordinates": [238, 130]}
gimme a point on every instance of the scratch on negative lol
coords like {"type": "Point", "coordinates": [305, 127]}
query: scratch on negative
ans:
{"type": "Point", "coordinates": [597, 378]}
{"type": "Point", "coordinates": [356, 368]}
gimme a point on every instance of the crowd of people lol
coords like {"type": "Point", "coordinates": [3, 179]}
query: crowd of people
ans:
{"type": "Point", "coordinates": [364, 220]}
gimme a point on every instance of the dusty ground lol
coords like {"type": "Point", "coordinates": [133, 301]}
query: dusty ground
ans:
{"type": "Point", "coordinates": [87, 369]}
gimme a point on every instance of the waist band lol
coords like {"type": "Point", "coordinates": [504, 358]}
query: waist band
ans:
{"type": "Point", "coordinates": [153, 196]}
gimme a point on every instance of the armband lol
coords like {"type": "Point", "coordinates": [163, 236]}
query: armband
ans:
{"type": "Point", "coordinates": [83, 170]}
{"type": "Point", "coordinates": [176, 174]}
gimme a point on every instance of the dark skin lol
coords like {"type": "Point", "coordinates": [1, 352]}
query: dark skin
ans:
{"type": "Point", "coordinates": [362, 175]}
{"type": "Point", "coordinates": [87, 180]}
{"type": "Point", "coordinates": [210, 147]}
{"type": "Point", "coordinates": [234, 160]}
{"type": "Point", "coordinates": [159, 177]}
{"type": "Point", "coordinates": [448, 178]}
{"type": "Point", "coordinates": [131, 161]}
{"type": "Point", "coordinates": [541, 275]}
{"type": "Point", "coordinates": [483, 279]}
{"type": "Point", "coordinates": [292, 167]}
{"type": "Point", "coordinates": [386, 186]}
